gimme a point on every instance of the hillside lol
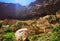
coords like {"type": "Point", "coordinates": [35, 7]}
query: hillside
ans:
{"type": "Point", "coordinates": [39, 21]}
{"type": "Point", "coordinates": [35, 9]}
{"type": "Point", "coordinates": [39, 28]}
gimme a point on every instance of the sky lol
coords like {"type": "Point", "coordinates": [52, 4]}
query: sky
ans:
{"type": "Point", "coordinates": [21, 2]}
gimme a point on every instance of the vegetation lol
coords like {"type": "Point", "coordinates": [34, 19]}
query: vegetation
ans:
{"type": "Point", "coordinates": [54, 36]}
{"type": "Point", "coordinates": [8, 29]}
{"type": "Point", "coordinates": [9, 37]}
{"type": "Point", "coordinates": [1, 25]}
{"type": "Point", "coordinates": [45, 28]}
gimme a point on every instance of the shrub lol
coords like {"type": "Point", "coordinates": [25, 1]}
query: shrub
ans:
{"type": "Point", "coordinates": [58, 20]}
{"type": "Point", "coordinates": [8, 29]}
{"type": "Point", "coordinates": [56, 34]}
{"type": "Point", "coordinates": [0, 32]}
{"type": "Point", "coordinates": [0, 24]}
{"type": "Point", "coordinates": [56, 29]}
{"type": "Point", "coordinates": [9, 37]}
{"type": "Point", "coordinates": [34, 38]}
{"type": "Point", "coordinates": [19, 23]}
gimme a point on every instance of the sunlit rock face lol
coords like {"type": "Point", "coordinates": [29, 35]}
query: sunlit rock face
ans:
{"type": "Point", "coordinates": [58, 14]}
{"type": "Point", "coordinates": [21, 34]}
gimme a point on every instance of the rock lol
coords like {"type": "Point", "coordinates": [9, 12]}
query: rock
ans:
{"type": "Point", "coordinates": [5, 26]}
{"type": "Point", "coordinates": [21, 34]}
{"type": "Point", "coordinates": [1, 37]}
{"type": "Point", "coordinates": [58, 14]}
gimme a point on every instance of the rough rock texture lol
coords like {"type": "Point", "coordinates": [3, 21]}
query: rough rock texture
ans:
{"type": "Point", "coordinates": [21, 34]}
{"type": "Point", "coordinates": [58, 14]}
{"type": "Point", "coordinates": [45, 24]}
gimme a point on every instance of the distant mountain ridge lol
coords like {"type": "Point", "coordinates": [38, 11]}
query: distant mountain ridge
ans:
{"type": "Point", "coordinates": [10, 10]}
{"type": "Point", "coordinates": [35, 9]}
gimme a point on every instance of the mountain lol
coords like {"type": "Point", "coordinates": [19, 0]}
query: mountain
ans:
{"type": "Point", "coordinates": [9, 10]}
{"type": "Point", "coordinates": [36, 9]}
{"type": "Point", "coordinates": [45, 7]}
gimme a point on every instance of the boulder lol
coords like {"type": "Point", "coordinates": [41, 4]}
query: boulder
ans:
{"type": "Point", "coordinates": [21, 34]}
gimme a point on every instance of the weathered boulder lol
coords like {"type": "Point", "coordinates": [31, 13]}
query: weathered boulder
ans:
{"type": "Point", "coordinates": [21, 34]}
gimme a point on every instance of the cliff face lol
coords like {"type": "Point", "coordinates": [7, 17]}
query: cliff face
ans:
{"type": "Point", "coordinates": [38, 8]}
{"type": "Point", "coordinates": [45, 7]}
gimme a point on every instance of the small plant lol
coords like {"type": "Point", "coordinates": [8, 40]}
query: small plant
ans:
{"type": "Point", "coordinates": [0, 25]}
{"type": "Point", "coordinates": [58, 20]}
{"type": "Point", "coordinates": [56, 34]}
{"type": "Point", "coordinates": [9, 37]}
{"type": "Point", "coordinates": [8, 29]}
{"type": "Point", "coordinates": [0, 32]}
{"type": "Point", "coordinates": [34, 38]}
{"type": "Point", "coordinates": [56, 29]}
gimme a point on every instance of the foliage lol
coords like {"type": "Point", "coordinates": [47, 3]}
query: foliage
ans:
{"type": "Point", "coordinates": [56, 29]}
{"type": "Point", "coordinates": [33, 38]}
{"type": "Point", "coordinates": [0, 32]}
{"type": "Point", "coordinates": [58, 20]}
{"type": "Point", "coordinates": [40, 37]}
{"type": "Point", "coordinates": [9, 37]}
{"type": "Point", "coordinates": [0, 24]}
{"type": "Point", "coordinates": [8, 29]}
{"type": "Point", "coordinates": [20, 23]}
{"type": "Point", "coordinates": [56, 34]}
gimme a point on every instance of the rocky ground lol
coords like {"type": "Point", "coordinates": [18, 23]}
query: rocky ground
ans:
{"type": "Point", "coordinates": [41, 28]}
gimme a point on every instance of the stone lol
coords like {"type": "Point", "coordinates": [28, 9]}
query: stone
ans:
{"type": "Point", "coordinates": [21, 34]}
